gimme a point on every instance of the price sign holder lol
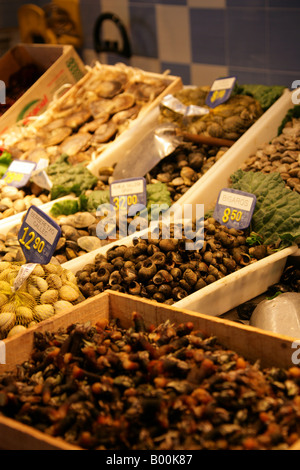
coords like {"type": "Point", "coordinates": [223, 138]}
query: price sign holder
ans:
{"type": "Point", "coordinates": [234, 208]}
{"type": "Point", "coordinates": [220, 91]}
{"type": "Point", "coordinates": [38, 236]}
{"type": "Point", "coordinates": [18, 173]}
{"type": "Point", "coordinates": [128, 192]}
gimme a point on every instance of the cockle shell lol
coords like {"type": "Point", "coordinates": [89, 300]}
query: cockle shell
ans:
{"type": "Point", "coordinates": [24, 315]}
{"type": "Point", "coordinates": [40, 283]}
{"type": "Point", "coordinates": [54, 281]}
{"type": "Point", "coordinates": [68, 293]}
{"type": "Point", "coordinates": [16, 330]}
{"type": "Point", "coordinates": [43, 311]}
{"type": "Point", "coordinates": [7, 321]}
{"type": "Point", "coordinates": [62, 305]}
{"type": "Point", "coordinates": [49, 297]}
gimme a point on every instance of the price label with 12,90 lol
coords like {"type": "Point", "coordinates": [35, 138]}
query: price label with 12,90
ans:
{"type": "Point", "coordinates": [234, 208]}
{"type": "Point", "coordinates": [18, 173]}
{"type": "Point", "coordinates": [38, 236]}
{"type": "Point", "coordinates": [128, 192]}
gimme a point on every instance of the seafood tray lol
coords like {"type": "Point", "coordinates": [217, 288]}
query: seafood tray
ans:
{"type": "Point", "coordinates": [263, 130]}
{"type": "Point", "coordinates": [271, 350]}
{"type": "Point", "coordinates": [91, 115]}
{"type": "Point", "coordinates": [221, 295]}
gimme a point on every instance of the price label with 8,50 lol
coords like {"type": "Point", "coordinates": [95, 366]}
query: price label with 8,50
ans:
{"type": "Point", "coordinates": [234, 208]}
{"type": "Point", "coordinates": [128, 192]}
{"type": "Point", "coordinates": [38, 236]}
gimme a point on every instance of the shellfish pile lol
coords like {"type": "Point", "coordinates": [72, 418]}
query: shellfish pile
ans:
{"type": "Point", "coordinates": [280, 155]}
{"type": "Point", "coordinates": [162, 269]}
{"type": "Point", "coordinates": [169, 387]}
{"type": "Point", "coordinates": [90, 115]}
{"type": "Point", "coordinates": [48, 290]}
{"type": "Point", "coordinates": [228, 120]}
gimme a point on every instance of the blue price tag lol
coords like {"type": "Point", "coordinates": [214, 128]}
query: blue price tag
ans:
{"type": "Point", "coordinates": [18, 173]}
{"type": "Point", "coordinates": [38, 236]}
{"type": "Point", "coordinates": [128, 192]}
{"type": "Point", "coordinates": [234, 208]}
{"type": "Point", "coordinates": [220, 91]}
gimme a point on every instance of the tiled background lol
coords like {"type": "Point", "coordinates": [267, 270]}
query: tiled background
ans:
{"type": "Point", "coordinates": [199, 40]}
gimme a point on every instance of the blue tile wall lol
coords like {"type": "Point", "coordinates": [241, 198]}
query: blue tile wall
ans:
{"type": "Point", "coordinates": [256, 40]}
{"type": "Point", "coordinates": [208, 35]}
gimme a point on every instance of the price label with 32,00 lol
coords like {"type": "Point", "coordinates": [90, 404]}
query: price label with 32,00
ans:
{"type": "Point", "coordinates": [128, 192]}
{"type": "Point", "coordinates": [234, 208]}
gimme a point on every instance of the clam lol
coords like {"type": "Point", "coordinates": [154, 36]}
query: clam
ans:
{"type": "Point", "coordinates": [77, 119]}
{"type": "Point", "coordinates": [82, 219]}
{"type": "Point", "coordinates": [68, 293]}
{"type": "Point", "coordinates": [49, 296]}
{"type": "Point", "coordinates": [24, 315]}
{"type": "Point", "coordinates": [104, 132]}
{"type": "Point", "coordinates": [122, 102]}
{"type": "Point", "coordinates": [54, 281]}
{"type": "Point", "coordinates": [109, 88]}
{"type": "Point", "coordinates": [75, 143]}
{"type": "Point", "coordinates": [62, 305]}
{"type": "Point", "coordinates": [39, 282]}
{"type": "Point", "coordinates": [43, 311]}
{"type": "Point", "coordinates": [89, 243]}
{"type": "Point", "coordinates": [57, 136]}
{"type": "Point", "coordinates": [99, 107]}
{"type": "Point", "coordinates": [17, 329]}
{"type": "Point", "coordinates": [7, 321]}
{"type": "Point", "coordinates": [92, 126]}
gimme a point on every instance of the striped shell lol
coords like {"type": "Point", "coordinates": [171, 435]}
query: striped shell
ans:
{"type": "Point", "coordinates": [7, 321]}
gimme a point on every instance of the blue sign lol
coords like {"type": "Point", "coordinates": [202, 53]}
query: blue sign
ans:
{"type": "Point", "coordinates": [220, 91]}
{"type": "Point", "coordinates": [234, 208]}
{"type": "Point", "coordinates": [128, 192]}
{"type": "Point", "coordinates": [38, 236]}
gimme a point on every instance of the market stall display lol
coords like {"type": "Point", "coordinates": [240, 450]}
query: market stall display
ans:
{"type": "Point", "coordinates": [93, 377]}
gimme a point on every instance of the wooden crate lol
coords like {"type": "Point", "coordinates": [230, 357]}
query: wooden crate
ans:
{"type": "Point", "coordinates": [250, 342]}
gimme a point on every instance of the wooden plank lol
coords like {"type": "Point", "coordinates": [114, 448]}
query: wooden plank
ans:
{"type": "Point", "coordinates": [252, 343]}
{"type": "Point", "coordinates": [19, 347]}
{"type": "Point", "coordinates": [18, 436]}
